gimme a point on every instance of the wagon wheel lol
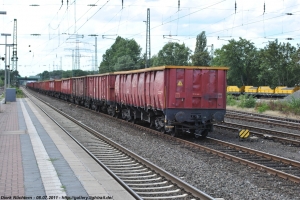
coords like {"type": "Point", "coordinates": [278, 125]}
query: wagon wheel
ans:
{"type": "Point", "coordinates": [130, 120]}
{"type": "Point", "coordinates": [111, 112]}
{"type": "Point", "coordinates": [174, 133]}
{"type": "Point", "coordinates": [197, 134]}
{"type": "Point", "coordinates": [117, 114]}
{"type": "Point", "coordinates": [204, 133]}
{"type": "Point", "coordinates": [133, 120]}
{"type": "Point", "coordinates": [152, 124]}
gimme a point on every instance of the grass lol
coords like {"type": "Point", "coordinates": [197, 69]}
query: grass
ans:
{"type": "Point", "coordinates": [294, 105]}
{"type": "Point", "coordinates": [261, 107]}
{"type": "Point", "coordinates": [246, 101]}
{"type": "Point", "coordinates": [243, 101]}
{"type": "Point", "coordinates": [285, 107]}
{"type": "Point", "coordinates": [63, 188]}
{"type": "Point", "coordinates": [20, 93]}
{"type": "Point", "coordinates": [230, 100]}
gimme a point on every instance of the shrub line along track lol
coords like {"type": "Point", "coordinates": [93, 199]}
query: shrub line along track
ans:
{"type": "Point", "coordinates": [263, 167]}
{"type": "Point", "coordinates": [127, 173]}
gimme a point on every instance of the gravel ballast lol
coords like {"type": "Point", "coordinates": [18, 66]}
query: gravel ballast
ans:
{"type": "Point", "coordinates": [216, 176]}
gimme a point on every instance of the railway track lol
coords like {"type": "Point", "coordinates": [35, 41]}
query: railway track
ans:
{"type": "Point", "coordinates": [141, 178]}
{"type": "Point", "coordinates": [281, 136]}
{"type": "Point", "coordinates": [263, 120]}
{"type": "Point", "coordinates": [261, 116]}
{"type": "Point", "coordinates": [281, 167]}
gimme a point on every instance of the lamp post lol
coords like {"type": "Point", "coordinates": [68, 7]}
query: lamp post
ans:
{"type": "Point", "coordinates": [5, 71]}
{"type": "Point", "coordinates": [8, 74]}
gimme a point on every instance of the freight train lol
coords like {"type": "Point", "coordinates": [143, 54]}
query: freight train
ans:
{"type": "Point", "coordinates": [172, 99]}
{"type": "Point", "coordinates": [263, 91]}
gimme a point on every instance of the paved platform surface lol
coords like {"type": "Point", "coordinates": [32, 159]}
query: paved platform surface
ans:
{"type": "Point", "coordinates": [38, 159]}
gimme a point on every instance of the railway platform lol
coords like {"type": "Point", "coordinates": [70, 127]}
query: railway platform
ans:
{"type": "Point", "coordinates": [39, 161]}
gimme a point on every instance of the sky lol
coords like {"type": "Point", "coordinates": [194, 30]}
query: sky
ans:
{"type": "Point", "coordinates": [49, 31]}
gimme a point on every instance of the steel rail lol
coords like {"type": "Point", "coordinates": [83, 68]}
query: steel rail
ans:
{"type": "Point", "coordinates": [251, 164]}
{"type": "Point", "coordinates": [124, 185]}
{"type": "Point", "coordinates": [265, 116]}
{"type": "Point", "coordinates": [264, 121]}
{"type": "Point", "coordinates": [281, 174]}
{"type": "Point", "coordinates": [180, 183]}
{"type": "Point", "coordinates": [263, 135]}
{"type": "Point", "coordinates": [253, 128]}
{"type": "Point", "coordinates": [258, 153]}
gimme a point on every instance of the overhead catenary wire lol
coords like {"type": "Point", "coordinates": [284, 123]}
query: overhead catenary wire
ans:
{"type": "Point", "coordinates": [182, 16]}
{"type": "Point", "coordinates": [168, 21]}
{"type": "Point", "coordinates": [92, 15]}
{"type": "Point", "coordinates": [253, 22]}
{"type": "Point", "coordinates": [68, 30]}
{"type": "Point", "coordinates": [189, 14]}
{"type": "Point", "coordinates": [73, 24]}
{"type": "Point", "coordinates": [120, 23]}
{"type": "Point", "coordinates": [249, 22]}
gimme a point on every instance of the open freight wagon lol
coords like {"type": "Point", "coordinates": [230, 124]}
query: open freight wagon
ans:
{"type": "Point", "coordinates": [175, 99]}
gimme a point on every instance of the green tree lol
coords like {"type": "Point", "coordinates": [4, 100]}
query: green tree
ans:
{"type": "Point", "coordinates": [122, 49]}
{"type": "Point", "coordinates": [14, 77]}
{"type": "Point", "coordinates": [242, 58]}
{"type": "Point", "coordinates": [124, 63]}
{"type": "Point", "coordinates": [2, 76]}
{"type": "Point", "coordinates": [44, 75]}
{"type": "Point", "coordinates": [201, 56]}
{"type": "Point", "coordinates": [278, 64]}
{"type": "Point", "coordinates": [296, 68]}
{"type": "Point", "coordinates": [79, 72]}
{"type": "Point", "coordinates": [172, 53]}
{"type": "Point", "coordinates": [58, 74]}
{"type": "Point", "coordinates": [67, 74]}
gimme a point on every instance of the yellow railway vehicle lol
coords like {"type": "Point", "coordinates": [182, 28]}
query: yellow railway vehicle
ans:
{"type": "Point", "coordinates": [235, 90]}
{"type": "Point", "coordinates": [265, 91]}
{"type": "Point", "coordinates": [279, 91]}
{"type": "Point", "coordinates": [250, 90]}
{"type": "Point", "coordinates": [284, 90]}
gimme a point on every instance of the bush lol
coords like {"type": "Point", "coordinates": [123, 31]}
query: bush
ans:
{"type": "Point", "coordinates": [294, 105]}
{"type": "Point", "coordinates": [230, 100]}
{"type": "Point", "coordinates": [262, 107]}
{"type": "Point", "coordinates": [19, 93]}
{"type": "Point", "coordinates": [246, 101]}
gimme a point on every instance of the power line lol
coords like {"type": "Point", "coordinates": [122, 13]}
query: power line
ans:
{"type": "Point", "coordinates": [162, 24]}
{"type": "Point", "coordinates": [246, 24]}
{"type": "Point", "coordinates": [93, 15]}
{"type": "Point", "coordinates": [183, 16]}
